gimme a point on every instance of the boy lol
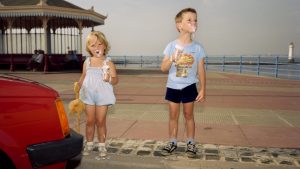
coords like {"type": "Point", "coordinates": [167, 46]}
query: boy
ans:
{"type": "Point", "coordinates": [184, 60]}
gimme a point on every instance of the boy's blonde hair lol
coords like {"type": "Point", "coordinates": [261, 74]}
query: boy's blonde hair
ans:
{"type": "Point", "coordinates": [101, 37]}
{"type": "Point", "coordinates": [178, 17]}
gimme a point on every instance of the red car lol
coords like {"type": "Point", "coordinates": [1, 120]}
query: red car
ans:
{"type": "Point", "coordinates": [34, 129]}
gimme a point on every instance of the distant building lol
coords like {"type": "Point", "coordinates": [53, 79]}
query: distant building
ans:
{"type": "Point", "coordinates": [291, 53]}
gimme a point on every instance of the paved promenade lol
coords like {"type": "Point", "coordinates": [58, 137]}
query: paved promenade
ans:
{"type": "Point", "coordinates": [244, 119]}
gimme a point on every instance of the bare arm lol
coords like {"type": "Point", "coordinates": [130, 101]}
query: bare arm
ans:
{"type": "Point", "coordinates": [166, 64]}
{"type": "Point", "coordinates": [82, 75]}
{"type": "Point", "coordinates": [202, 78]}
{"type": "Point", "coordinates": [113, 73]}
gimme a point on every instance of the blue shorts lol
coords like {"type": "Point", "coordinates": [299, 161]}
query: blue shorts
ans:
{"type": "Point", "coordinates": [185, 95]}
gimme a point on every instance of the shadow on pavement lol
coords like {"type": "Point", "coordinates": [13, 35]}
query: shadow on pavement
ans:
{"type": "Point", "coordinates": [74, 162]}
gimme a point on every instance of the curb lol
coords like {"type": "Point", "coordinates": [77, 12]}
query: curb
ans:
{"type": "Point", "coordinates": [207, 152]}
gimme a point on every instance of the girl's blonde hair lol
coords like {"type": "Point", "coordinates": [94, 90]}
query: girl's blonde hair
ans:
{"type": "Point", "coordinates": [101, 37]}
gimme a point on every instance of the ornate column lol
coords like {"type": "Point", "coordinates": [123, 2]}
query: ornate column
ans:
{"type": "Point", "coordinates": [2, 41]}
{"type": "Point", "coordinates": [80, 28]}
{"type": "Point", "coordinates": [53, 48]}
{"type": "Point", "coordinates": [45, 40]}
{"type": "Point", "coordinates": [10, 22]}
{"type": "Point", "coordinates": [29, 41]}
{"type": "Point", "coordinates": [46, 31]}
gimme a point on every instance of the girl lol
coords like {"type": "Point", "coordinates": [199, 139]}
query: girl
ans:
{"type": "Point", "coordinates": [96, 90]}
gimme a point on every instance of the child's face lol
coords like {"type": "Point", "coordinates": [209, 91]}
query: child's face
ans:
{"type": "Point", "coordinates": [188, 23]}
{"type": "Point", "coordinates": [96, 47]}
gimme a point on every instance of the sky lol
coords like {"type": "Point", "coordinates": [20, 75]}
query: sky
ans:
{"type": "Point", "coordinates": [225, 27]}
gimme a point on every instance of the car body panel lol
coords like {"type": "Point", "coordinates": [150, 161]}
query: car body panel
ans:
{"type": "Point", "coordinates": [28, 116]}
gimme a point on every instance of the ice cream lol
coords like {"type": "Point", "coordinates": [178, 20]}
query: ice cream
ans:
{"type": "Point", "coordinates": [178, 51]}
{"type": "Point", "coordinates": [194, 28]}
{"type": "Point", "coordinates": [105, 73]}
{"type": "Point", "coordinates": [105, 69]}
{"type": "Point", "coordinates": [98, 53]}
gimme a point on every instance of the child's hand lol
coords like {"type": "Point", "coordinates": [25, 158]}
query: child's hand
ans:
{"type": "Point", "coordinates": [173, 58]}
{"type": "Point", "coordinates": [106, 77]}
{"type": "Point", "coordinates": [201, 96]}
{"type": "Point", "coordinates": [76, 87]}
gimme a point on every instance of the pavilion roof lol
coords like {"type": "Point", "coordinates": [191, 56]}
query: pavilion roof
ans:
{"type": "Point", "coordinates": [50, 8]}
{"type": "Point", "coordinates": [58, 3]}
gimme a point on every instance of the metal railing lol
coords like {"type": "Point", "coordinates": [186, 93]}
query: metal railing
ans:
{"type": "Point", "coordinates": [274, 66]}
{"type": "Point", "coordinates": [137, 61]}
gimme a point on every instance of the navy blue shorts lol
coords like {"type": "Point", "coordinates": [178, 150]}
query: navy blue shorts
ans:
{"type": "Point", "coordinates": [185, 95]}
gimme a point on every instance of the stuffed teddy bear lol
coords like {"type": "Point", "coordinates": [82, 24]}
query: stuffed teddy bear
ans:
{"type": "Point", "coordinates": [76, 106]}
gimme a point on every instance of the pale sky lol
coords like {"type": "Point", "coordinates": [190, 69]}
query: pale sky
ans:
{"type": "Point", "coordinates": [225, 27]}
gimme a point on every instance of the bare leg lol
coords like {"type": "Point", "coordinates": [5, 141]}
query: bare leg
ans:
{"type": "Point", "coordinates": [101, 122]}
{"type": "Point", "coordinates": [188, 110]}
{"type": "Point", "coordinates": [174, 110]}
{"type": "Point", "coordinates": [90, 122]}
